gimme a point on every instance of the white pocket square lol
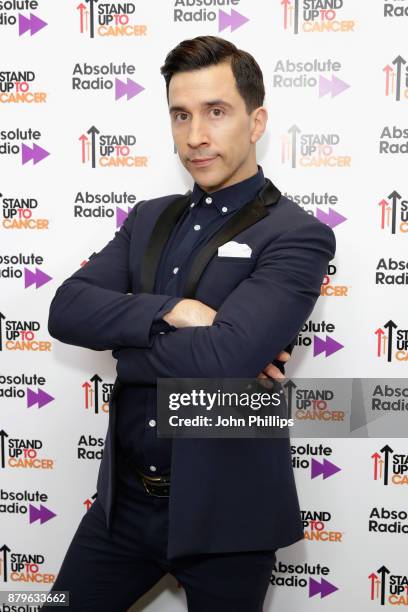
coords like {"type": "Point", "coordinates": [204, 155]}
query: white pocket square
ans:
{"type": "Point", "coordinates": [234, 249]}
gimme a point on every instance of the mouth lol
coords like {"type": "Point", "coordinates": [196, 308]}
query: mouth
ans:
{"type": "Point", "coordinates": [202, 162]}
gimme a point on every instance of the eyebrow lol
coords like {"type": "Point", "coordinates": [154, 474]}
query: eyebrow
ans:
{"type": "Point", "coordinates": [218, 102]}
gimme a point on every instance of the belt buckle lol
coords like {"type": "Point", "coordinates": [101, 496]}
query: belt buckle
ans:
{"type": "Point", "coordinates": [154, 481]}
{"type": "Point", "coordinates": [150, 492]}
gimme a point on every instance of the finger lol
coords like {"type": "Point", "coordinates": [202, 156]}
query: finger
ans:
{"type": "Point", "coordinates": [273, 371]}
{"type": "Point", "coordinates": [283, 356]}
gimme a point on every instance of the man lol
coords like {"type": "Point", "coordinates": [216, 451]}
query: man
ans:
{"type": "Point", "coordinates": [212, 284]}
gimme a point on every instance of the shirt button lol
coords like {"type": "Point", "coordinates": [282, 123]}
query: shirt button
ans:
{"type": "Point", "coordinates": [175, 270]}
{"type": "Point", "coordinates": [208, 200]}
{"type": "Point", "coordinates": [192, 204]}
{"type": "Point", "coordinates": [152, 422]}
{"type": "Point", "coordinates": [197, 227]}
{"type": "Point", "coordinates": [152, 468]}
{"type": "Point", "coordinates": [224, 209]}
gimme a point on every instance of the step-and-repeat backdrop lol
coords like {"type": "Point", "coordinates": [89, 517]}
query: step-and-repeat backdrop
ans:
{"type": "Point", "coordinates": [84, 134]}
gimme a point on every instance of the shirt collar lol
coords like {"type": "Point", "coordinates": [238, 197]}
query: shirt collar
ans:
{"type": "Point", "coordinates": [230, 199]}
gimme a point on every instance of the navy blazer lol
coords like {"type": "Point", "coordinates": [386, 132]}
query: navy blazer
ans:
{"type": "Point", "coordinates": [226, 494]}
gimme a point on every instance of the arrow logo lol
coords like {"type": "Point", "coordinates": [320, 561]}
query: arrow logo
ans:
{"type": "Point", "coordinates": [130, 89]}
{"type": "Point", "coordinates": [41, 397]}
{"type": "Point", "coordinates": [121, 215]}
{"type": "Point", "coordinates": [328, 346]}
{"type": "Point", "coordinates": [42, 513]}
{"type": "Point", "coordinates": [327, 468]}
{"type": "Point", "coordinates": [332, 218]}
{"type": "Point", "coordinates": [91, 11]}
{"type": "Point", "coordinates": [335, 86]}
{"type": "Point", "coordinates": [3, 436]}
{"type": "Point", "coordinates": [5, 549]}
{"type": "Point", "coordinates": [39, 278]}
{"type": "Point", "coordinates": [399, 62]}
{"type": "Point", "coordinates": [294, 131]}
{"type": "Point", "coordinates": [93, 131]}
{"type": "Point", "coordinates": [33, 24]}
{"type": "Point", "coordinates": [235, 20]}
{"type": "Point", "coordinates": [390, 326]}
{"type": "Point", "coordinates": [1, 330]}
{"type": "Point", "coordinates": [36, 153]}
{"type": "Point", "coordinates": [96, 379]}
{"type": "Point", "coordinates": [324, 587]}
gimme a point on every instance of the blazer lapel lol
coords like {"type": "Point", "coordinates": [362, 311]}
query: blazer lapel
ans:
{"type": "Point", "coordinates": [249, 214]}
{"type": "Point", "coordinates": [245, 217]}
{"type": "Point", "coordinates": [158, 238]}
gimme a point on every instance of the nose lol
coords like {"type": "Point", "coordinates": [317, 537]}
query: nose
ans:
{"type": "Point", "coordinates": [197, 135]}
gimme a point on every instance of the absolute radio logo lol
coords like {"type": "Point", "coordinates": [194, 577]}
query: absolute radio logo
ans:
{"type": "Point", "coordinates": [391, 272]}
{"type": "Point", "coordinates": [392, 342]}
{"type": "Point", "coordinates": [14, 142]}
{"type": "Point", "coordinates": [86, 448]}
{"type": "Point", "coordinates": [308, 576]}
{"type": "Point", "coordinates": [388, 520]}
{"type": "Point", "coordinates": [25, 386]}
{"type": "Point", "coordinates": [307, 336]}
{"type": "Point", "coordinates": [188, 11]}
{"type": "Point", "coordinates": [387, 398]}
{"type": "Point", "coordinates": [390, 467]}
{"type": "Point", "coordinates": [310, 203]}
{"type": "Point", "coordinates": [95, 77]}
{"type": "Point", "coordinates": [23, 453]}
{"type": "Point", "coordinates": [12, 266]}
{"type": "Point", "coordinates": [16, 87]}
{"type": "Point", "coordinates": [18, 213]}
{"type": "Point", "coordinates": [314, 74]}
{"type": "Point", "coordinates": [388, 588]}
{"type": "Point", "coordinates": [393, 141]}
{"type": "Point", "coordinates": [396, 79]}
{"type": "Point", "coordinates": [96, 394]}
{"type": "Point", "coordinates": [23, 567]}
{"type": "Point", "coordinates": [329, 287]}
{"type": "Point", "coordinates": [317, 527]}
{"type": "Point", "coordinates": [103, 206]}
{"type": "Point", "coordinates": [19, 335]}
{"type": "Point", "coordinates": [393, 215]}
{"type": "Point", "coordinates": [397, 8]}
{"type": "Point", "coordinates": [312, 404]}
{"type": "Point", "coordinates": [108, 19]}
{"type": "Point", "coordinates": [21, 502]}
{"type": "Point", "coordinates": [110, 150]}
{"type": "Point", "coordinates": [311, 150]}
{"type": "Point", "coordinates": [315, 16]}
{"type": "Point", "coordinates": [303, 458]}
{"type": "Point", "coordinates": [10, 16]}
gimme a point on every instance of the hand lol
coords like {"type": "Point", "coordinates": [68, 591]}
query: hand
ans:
{"type": "Point", "coordinates": [190, 313]}
{"type": "Point", "coordinates": [273, 371]}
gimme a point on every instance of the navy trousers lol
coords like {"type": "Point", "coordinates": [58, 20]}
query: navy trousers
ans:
{"type": "Point", "coordinates": [108, 572]}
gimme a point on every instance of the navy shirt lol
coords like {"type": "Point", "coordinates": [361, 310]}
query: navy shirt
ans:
{"type": "Point", "coordinates": [136, 425]}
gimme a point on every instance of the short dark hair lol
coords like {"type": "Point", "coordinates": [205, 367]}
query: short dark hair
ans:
{"type": "Point", "coordinates": [203, 51]}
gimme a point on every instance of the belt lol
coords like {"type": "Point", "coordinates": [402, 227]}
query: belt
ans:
{"type": "Point", "coordinates": [156, 486]}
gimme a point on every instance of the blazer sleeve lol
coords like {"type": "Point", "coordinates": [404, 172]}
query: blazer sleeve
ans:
{"type": "Point", "coordinates": [94, 308]}
{"type": "Point", "coordinates": [263, 315]}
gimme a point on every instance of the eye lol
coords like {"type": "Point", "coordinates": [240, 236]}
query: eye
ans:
{"type": "Point", "coordinates": [181, 114]}
{"type": "Point", "coordinates": [219, 112]}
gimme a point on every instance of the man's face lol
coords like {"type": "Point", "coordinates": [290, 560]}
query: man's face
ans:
{"type": "Point", "coordinates": [210, 123]}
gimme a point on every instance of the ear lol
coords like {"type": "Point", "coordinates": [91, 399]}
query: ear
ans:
{"type": "Point", "coordinates": [259, 119]}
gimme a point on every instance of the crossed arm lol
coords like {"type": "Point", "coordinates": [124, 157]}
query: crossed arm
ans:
{"type": "Point", "coordinates": [95, 309]}
{"type": "Point", "coordinates": [258, 319]}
